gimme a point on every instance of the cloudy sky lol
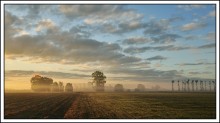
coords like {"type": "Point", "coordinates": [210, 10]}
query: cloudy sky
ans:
{"type": "Point", "coordinates": [150, 44]}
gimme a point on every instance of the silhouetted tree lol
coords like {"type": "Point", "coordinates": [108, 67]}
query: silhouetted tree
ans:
{"type": "Point", "coordinates": [119, 88]}
{"type": "Point", "coordinates": [61, 87]}
{"type": "Point", "coordinates": [196, 81]}
{"type": "Point", "coordinates": [187, 82]}
{"type": "Point", "coordinates": [214, 85]}
{"type": "Point", "coordinates": [178, 85]}
{"type": "Point", "coordinates": [40, 84]}
{"type": "Point", "coordinates": [69, 87]}
{"type": "Point", "coordinates": [205, 86]}
{"type": "Point", "coordinates": [182, 85]}
{"type": "Point", "coordinates": [99, 80]}
{"type": "Point", "coordinates": [192, 82]}
{"type": "Point", "coordinates": [140, 87]}
{"type": "Point", "coordinates": [201, 85]}
{"type": "Point", "coordinates": [172, 84]}
{"type": "Point", "coordinates": [210, 87]}
{"type": "Point", "coordinates": [55, 87]}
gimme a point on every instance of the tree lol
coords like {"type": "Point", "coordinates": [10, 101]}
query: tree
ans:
{"type": "Point", "coordinates": [210, 87]}
{"type": "Point", "coordinates": [55, 87]}
{"type": "Point", "coordinates": [178, 85]}
{"type": "Point", "coordinates": [201, 85]}
{"type": "Point", "coordinates": [196, 85]}
{"type": "Point", "coordinates": [119, 88]}
{"type": "Point", "coordinates": [182, 84]}
{"type": "Point", "coordinates": [140, 87]}
{"type": "Point", "coordinates": [214, 85]}
{"type": "Point", "coordinates": [192, 82]}
{"type": "Point", "coordinates": [187, 82]}
{"type": "Point", "coordinates": [99, 80]}
{"type": "Point", "coordinates": [61, 87]}
{"type": "Point", "coordinates": [69, 87]}
{"type": "Point", "coordinates": [41, 84]}
{"type": "Point", "coordinates": [172, 84]}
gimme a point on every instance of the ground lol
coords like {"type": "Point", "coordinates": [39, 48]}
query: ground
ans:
{"type": "Point", "coordinates": [148, 105]}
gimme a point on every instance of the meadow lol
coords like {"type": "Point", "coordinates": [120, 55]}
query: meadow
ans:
{"type": "Point", "coordinates": [110, 105]}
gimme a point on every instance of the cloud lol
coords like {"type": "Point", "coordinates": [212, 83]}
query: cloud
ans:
{"type": "Point", "coordinates": [45, 24]}
{"type": "Point", "coordinates": [192, 64]}
{"type": "Point", "coordinates": [210, 36]}
{"type": "Point", "coordinates": [121, 28]}
{"type": "Point", "coordinates": [190, 7]}
{"type": "Point", "coordinates": [156, 58]}
{"type": "Point", "coordinates": [166, 38]}
{"type": "Point", "coordinates": [53, 74]}
{"type": "Point", "coordinates": [80, 31]}
{"type": "Point", "coordinates": [153, 27]}
{"type": "Point", "coordinates": [198, 73]}
{"type": "Point", "coordinates": [137, 40]}
{"type": "Point", "coordinates": [99, 14]}
{"type": "Point", "coordinates": [135, 50]}
{"type": "Point", "coordinates": [193, 26]}
{"type": "Point", "coordinates": [113, 19]}
{"type": "Point", "coordinates": [87, 10]}
{"type": "Point", "coordinates": [65, 48]}
{"type": "Point", "coordinates": [206, 46]}
{"type": "Point", "coordinates": [161, 39]}
{"type": "Point", "coordinates": [212, 13]}
{"type": "Point", "coordinates": [191, 37]}
{"type": "Point", "coordinates": [157, 27]}
{"type": "Point", "coordinates": [148, 75]}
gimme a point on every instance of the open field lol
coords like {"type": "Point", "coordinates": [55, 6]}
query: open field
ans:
{"type": "Point", "coordinates": [110, 105]}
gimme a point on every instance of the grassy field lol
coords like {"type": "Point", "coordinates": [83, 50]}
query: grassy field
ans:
{"type": "Point", "coordinates": [110, 105]}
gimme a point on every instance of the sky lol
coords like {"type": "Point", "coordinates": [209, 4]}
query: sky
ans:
{"type": "Point", "coordinates": [131, 44]}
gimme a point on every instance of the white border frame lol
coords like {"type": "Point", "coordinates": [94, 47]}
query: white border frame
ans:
{"type": "Point", "coordinates": [110, 2]}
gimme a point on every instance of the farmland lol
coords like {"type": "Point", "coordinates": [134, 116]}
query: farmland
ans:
{"type": "Point", "coordinates": [154, 105]}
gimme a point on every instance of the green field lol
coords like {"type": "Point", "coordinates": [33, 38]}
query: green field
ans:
{"type": "Point", "coordinates": [152, 105]}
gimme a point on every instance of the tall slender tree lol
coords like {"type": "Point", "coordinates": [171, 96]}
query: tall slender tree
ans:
{"type": "Point", "coordinates": [185, 86]}
{"type": "Point", "coordinates": [172, 84]}
{"type": "Point", "coordinates": [210, 87]}
{"type": "Point", "coordinates": [205, 86]}
{"type": "Point", "coordinates": [182, 85]}
{"type": "Point", "coordinates": [187, 82]}
{"type": "Point", "coordinates": [196, 85]}
{"type": "Point", "coordinates": [192, 82]}
{"type": "Point", "coordinates": [214, 85]}
{"type": "Point", "coordinates": [178, 85]}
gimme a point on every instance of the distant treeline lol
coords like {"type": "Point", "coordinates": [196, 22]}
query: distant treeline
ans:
{"type": "Point", "coordinates": [45, 84]}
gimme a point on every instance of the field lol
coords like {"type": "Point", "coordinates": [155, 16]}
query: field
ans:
{"type": "Point", "coordinates": [152, 105]}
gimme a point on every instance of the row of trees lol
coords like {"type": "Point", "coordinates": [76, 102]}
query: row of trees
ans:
{"type": "Point", "coordinates": [194, 85]}
{"type": "Point", "coordinates": [45, 84]}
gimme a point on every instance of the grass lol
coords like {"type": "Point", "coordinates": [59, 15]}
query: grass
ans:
{"type": "Point", "coordinates": [111, 105]}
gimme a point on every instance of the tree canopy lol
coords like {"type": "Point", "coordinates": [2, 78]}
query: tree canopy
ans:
{"type": "Point", "coordinates": [99, 80]}
{"type": "Point", "coordinates": [119, 88]}
{"type": "Point", "coordinates": [140, 87]}
{"type": "Point", "coordinates": [69, 87]}
{"type": "Point", "coordinates": [55, 87]}
{"type": "Point", "coordinates": [39, 83]}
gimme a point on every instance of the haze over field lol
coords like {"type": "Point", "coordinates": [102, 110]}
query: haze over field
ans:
{"type": "Point", "coordinates": [130, 44]}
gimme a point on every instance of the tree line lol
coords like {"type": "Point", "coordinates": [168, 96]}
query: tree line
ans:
{"type": "Point", "coordinates": [194, 85]}
{"type": "Point", "coordinates": [45, 84]}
